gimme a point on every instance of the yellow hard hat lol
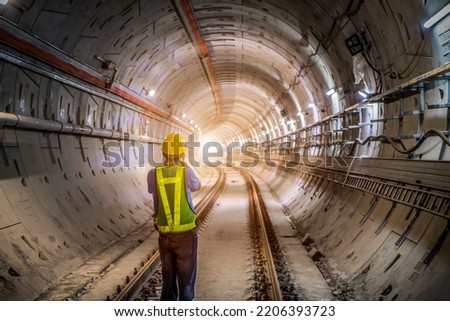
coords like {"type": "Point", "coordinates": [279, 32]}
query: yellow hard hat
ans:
{"type": "Point", "coordinates": [173, 144]}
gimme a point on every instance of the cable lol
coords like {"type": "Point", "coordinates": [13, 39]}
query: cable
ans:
{"type": "Point", "coordinates": [304, 70]}
{"type": "Point", "coordinates": [377, 75]}
{"type": "Point", "coordinates": [401, 74]}
{"type": "Point", "coordinates": [307, 66]}
{"type": "Point", "coordinates": [394, 142]}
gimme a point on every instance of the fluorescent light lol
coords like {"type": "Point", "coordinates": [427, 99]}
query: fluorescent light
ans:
{"type": "Point", "coordinates": [184, 116]}
{"type": "Point", "coordinates": [363, 94]}
{"type": "Point", "coordinates": [437, 17]}
{"type": "Point", "coordinates": [331, 92]}
{"type": "Point", "coordinates": [151, 93]}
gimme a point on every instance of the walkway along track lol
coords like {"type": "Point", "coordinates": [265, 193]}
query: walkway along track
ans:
{"type": "Point", "coordinates": [149, 271]}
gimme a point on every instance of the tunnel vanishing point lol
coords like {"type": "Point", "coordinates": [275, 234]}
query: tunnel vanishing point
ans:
{"type": "Point", "coordinates": [347, 99]}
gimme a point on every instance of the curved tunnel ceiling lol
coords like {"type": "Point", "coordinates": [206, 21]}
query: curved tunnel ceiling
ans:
{"type": "Point", "coordinates": [129, 71]}
{"type": "Point", "coordinates": [257, 57]}
{"type": "Point", "coordinates": [264, 56]}
{"type": "Point", "coordinates": [233, 69]}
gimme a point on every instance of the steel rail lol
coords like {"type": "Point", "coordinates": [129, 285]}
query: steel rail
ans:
{"type": "Point", "coordinates": [258, 209]}
{"type": "Point", "coordinates": [202, 209]}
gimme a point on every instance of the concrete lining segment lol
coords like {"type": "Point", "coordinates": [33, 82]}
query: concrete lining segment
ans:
{"type": "Point", "coordinates": [18, 39]}
{"type": "Point", "coordinates": [67, 213]}
{"type": "Point", "coordinates": [77, 284]}
{"type": "Point", "coordinates": [68, 208]}
{"type": "Point", "coordinates": [98, 278]}
{"type": "Point", "coordinates": [361, 253]}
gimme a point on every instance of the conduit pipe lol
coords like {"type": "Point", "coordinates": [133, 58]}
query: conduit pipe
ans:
{"type": "Point", "coordinates": [186, 14]}
{"type": "Point", "coordinates": [39, 124]}
{"type": "Point", "coordinates": [29, 44]}
{"type": "Point", "coordinates": [18, 61]}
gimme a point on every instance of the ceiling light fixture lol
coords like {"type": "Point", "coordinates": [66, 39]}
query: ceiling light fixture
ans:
{"type": "Point", "coordinates": [363, 94]}
{"type": "Point", "coordinates": [331, 92]}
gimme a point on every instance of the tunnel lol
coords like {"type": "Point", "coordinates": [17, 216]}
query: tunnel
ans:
{"type": "Point", "coordinates": [341, 109]}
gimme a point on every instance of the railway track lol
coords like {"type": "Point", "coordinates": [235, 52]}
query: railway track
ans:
{"type": "Point", "coordinates": [271, 278]}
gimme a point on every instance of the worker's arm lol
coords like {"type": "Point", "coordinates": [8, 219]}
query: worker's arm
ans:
{"type": "Point", "coordinates": [192, 181]}
{"type": "Point", "coordinates": [151, 184]}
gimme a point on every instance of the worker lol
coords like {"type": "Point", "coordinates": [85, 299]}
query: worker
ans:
{"type": "Point", "coordinates": [171, 185]}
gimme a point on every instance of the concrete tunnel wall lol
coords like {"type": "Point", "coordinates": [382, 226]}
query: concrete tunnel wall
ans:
{"type": "Point", "coordinates": [370, 262]}
{"type": "Point", "coordinates": [60, 206]}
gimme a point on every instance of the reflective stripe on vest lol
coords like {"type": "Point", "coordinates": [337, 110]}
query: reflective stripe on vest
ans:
{"type": "Point", "coordinates": [173, 219]}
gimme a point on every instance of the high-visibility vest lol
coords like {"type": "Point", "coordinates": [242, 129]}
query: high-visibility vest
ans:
{"type": "Point", "coordinates": [174, 212]}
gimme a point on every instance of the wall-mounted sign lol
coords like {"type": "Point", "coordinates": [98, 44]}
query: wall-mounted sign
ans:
{"type": "Point", "coordinates": [354, 45]}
